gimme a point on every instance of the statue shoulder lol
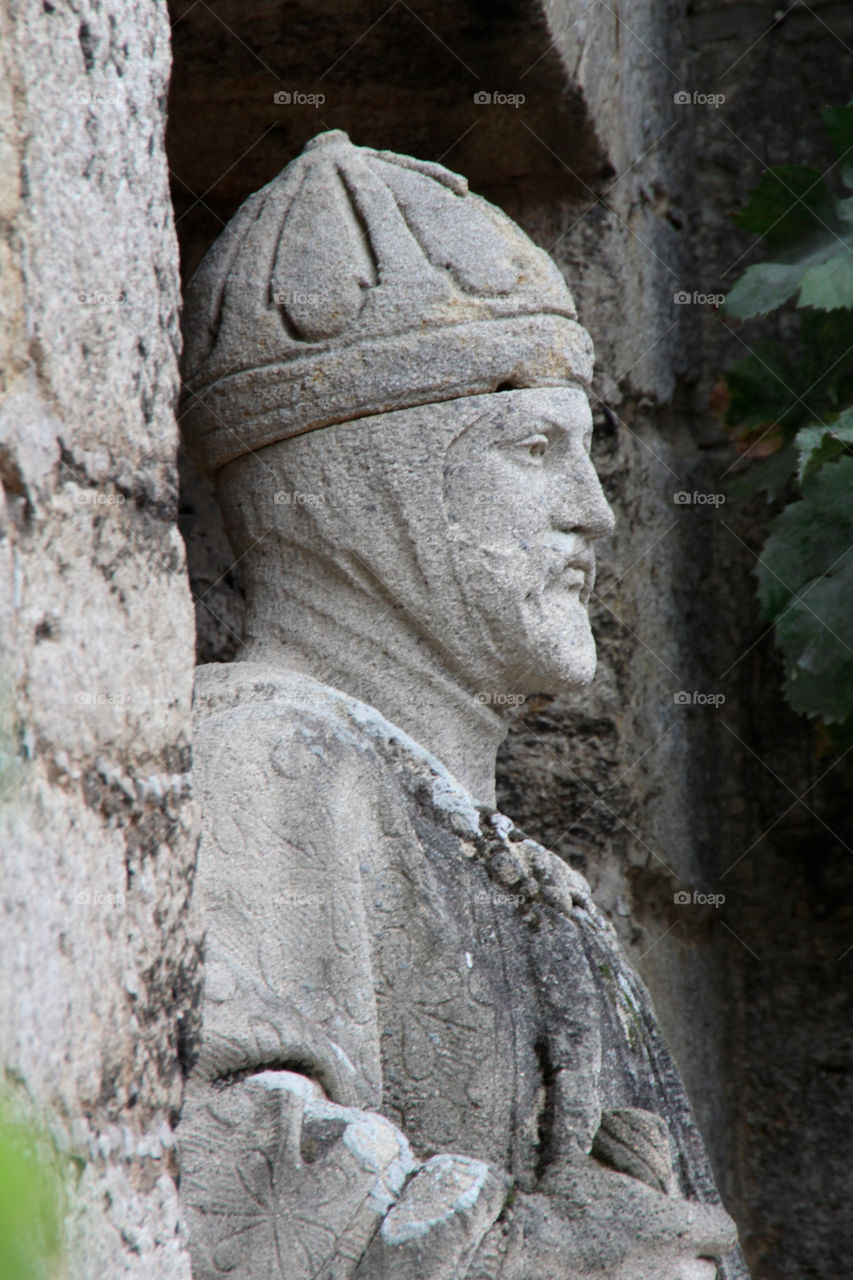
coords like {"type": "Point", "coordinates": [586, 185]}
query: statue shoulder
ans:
{"type": "Point", "coordinates": [288, 824]}
{"type": "Point", "coordinates": [281, 740]}
{"type": "Point", "coordinates": [256, 705]}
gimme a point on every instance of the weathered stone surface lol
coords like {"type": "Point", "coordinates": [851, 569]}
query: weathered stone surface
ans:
{"type": "Point", "coordinates": [445, 81]}
{"type": "Point", "coordinates": [789, 1016]}
{"type": "Point", "coordinates": [443, 1213]}
{"type": "Point", "coordinates": [635, 1142]}
{"type": "Point", "coordinates": [435, 561]}
{"type": "Point", "coordinates": [631, 195]}
{"type": "Point", "coordinates": [273, 1175]}
{"type": "Point", "coordinates": [98, 947]}
{"type": "Point", "coordinates": [360, 929]}
{"type": "Point", "coordinates": [614, 791]}
{"type": "Point", "coordinates": [609, 776]}
{"type": "Point", "coordinates": [316, 320]}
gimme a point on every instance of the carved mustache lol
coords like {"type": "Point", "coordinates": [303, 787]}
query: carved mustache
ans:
{"type": "Point", "coordinates": [572, 564]}
{"type": "Point", "coordinates": [561, 561]}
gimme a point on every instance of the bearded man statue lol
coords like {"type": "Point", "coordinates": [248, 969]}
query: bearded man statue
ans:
{"type": "Point", "coordinates": [423, 1055]}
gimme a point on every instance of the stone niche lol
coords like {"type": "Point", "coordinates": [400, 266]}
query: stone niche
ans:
{"type": "Point", "coordinates": [631, 198]}
{"type": "Point", "coordinates": [592, 165]}
{"type": "Point", "coordinates": [253, 83]}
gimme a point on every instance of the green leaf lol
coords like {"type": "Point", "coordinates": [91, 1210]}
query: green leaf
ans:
{"type": "Point", "coordinates": [805, 585]}
{"type": "Point", "coordinates": [824, 374]}
{"type": "Point", "coordinates": [816, 637]}
{"type": "Point", "coordinates": [802, 393]}
{"type": "Point", "coordinates": [822, 443]}
{"type": "Point", "coordinates": [821, 268]}
{"type": "Point", "coordinates": [773, 386]}
{"type": "Point", "coordinates": [808, 537]}
{"type": "Point", "coordinates": [765, 475]}
{"type": "Point", "coordinates": [763, 390]}
{"type": "Point", "coordinates": [763, 288]}
{"type": "Point", "coordinates": [789, 203]}
{"type": "Point", "coordinates": [828, 286]}
{"type": "Point", "coordinates": [839, 126]}
{"type": "Point", "coordinates": [30, 1204]}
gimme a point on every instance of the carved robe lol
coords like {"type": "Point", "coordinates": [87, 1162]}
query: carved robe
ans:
{"type": "Point", "coordinates": [415, 1021]}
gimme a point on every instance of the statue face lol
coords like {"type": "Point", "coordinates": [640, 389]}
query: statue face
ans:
{"type": "Point", "coordinates": [476, 517]}
{"type": "Point", "coordinates": [524, 507]}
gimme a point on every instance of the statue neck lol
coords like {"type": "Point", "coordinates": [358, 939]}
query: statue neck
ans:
{"type": "Point", "coordinates": [374, 652]}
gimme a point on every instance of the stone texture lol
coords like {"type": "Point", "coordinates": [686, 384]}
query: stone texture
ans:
{"type": "Point", "coordinates": [99, 947]}
{"type": "Point", "coordinates": [615, 792]}
{"type": "Point", "coordinates": [358, 282]}
{"type": "Point", "coordinates": [406, 79]}
{"type": "Point", "coordinates": [436, 562]}
{"type": "Point", "coordinates": [275, 1177]}
{"type": "Point", "coordinates": [582, 772]}
{"type": "Point", "coordinates": [631, 197]}
{"type": "Point", "coordinates": [790, 1022]}
{"type": "Point", "coordinates": [407, 950]}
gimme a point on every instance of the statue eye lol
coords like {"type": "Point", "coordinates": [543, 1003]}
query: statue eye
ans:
{"type": "Point", "coordinates": [534, 446]}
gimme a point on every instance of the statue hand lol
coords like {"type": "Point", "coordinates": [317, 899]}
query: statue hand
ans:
{"type": "Point", "coordinates": [435, 1227]}
{"type": "Point", "coordinates": [604, 1225]}
{"type": "Point", "coordinates": [279, 1181]}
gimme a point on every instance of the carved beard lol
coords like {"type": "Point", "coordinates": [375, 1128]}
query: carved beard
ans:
{"type": "Point", "coordinates": [413, 534]}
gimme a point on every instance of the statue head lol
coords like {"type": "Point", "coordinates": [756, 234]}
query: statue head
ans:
{"type": "Point", "coordinates": [388, 382]}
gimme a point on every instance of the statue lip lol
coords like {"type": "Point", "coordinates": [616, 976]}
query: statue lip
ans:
{"type": "Point", "coordinates": [577, 574]}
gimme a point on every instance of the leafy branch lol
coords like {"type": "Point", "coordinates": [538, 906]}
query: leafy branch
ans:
{"type": "Point", "coordinates": [790, 408]}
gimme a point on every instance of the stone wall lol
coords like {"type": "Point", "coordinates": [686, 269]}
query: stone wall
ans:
{"type": "Point", "coordinates": [99, 945]}
{"type": "Point", "coordinates": [755, 993]}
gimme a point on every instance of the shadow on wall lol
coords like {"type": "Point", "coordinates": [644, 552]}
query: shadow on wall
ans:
{"type": "Point", "coordinates": [253, 81]}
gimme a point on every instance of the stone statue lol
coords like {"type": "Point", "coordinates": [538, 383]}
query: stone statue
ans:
{"type": "Point", "coordinates": [423, 1055]}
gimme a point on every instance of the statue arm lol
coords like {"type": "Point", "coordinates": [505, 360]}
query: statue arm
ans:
{"type": "Point", "coordinates": [287, 1169]}
{"type": "Point", "coordinates": [276, 1180]}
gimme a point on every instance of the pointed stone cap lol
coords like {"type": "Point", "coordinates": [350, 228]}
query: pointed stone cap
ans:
{"type": "Point", "coordinates": [359, 282]}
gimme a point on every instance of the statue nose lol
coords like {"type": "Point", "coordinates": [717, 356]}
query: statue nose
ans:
{"type": "Point", "coordinates": [581, 507]}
